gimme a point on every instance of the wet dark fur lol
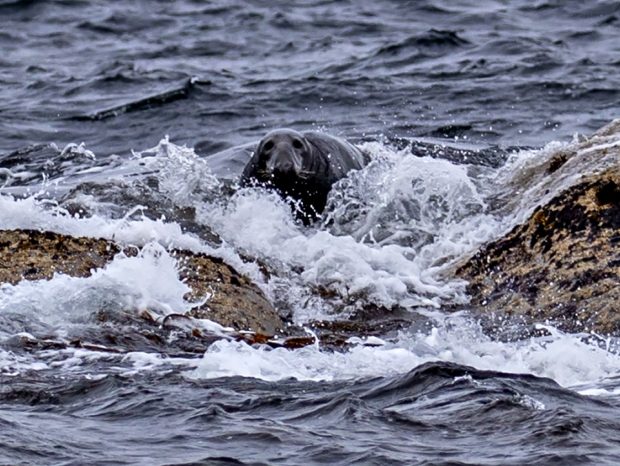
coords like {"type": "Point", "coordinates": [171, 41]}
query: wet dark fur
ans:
{"type": "Point", "coordinates": [302, 167]}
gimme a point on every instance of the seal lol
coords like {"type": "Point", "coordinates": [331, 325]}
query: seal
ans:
{"type": "Point", "coordinates": [302, 167]}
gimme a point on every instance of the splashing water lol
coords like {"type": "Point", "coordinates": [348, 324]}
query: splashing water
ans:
{"type": "Point", "coordinates": [389, 234]}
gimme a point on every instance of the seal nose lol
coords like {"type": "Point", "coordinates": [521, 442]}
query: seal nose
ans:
{"type": "Point", "coordinates": [281, 162]}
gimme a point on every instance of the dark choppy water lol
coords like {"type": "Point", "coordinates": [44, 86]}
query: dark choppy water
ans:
{"type": "Point", "coordinates": [518, 72]}
{"type": "Point", "coordinates": [436, 414]}
{"type": "Point", "coordinates": [121, 75]}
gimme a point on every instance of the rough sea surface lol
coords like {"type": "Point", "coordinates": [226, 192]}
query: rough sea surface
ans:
{"type": "Point", "coordinates": [119, 107]}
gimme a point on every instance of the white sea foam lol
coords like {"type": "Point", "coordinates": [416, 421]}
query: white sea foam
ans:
{"type": "Point", "coordinates": [564, 357]}
{"type": "Point", "coordinates": [147, 281]}
{"type": "Point", "coordinates": [36, 214]}
{"type": "Point", "coordinates": [430, 207]}
{"type": "Point", "coordinates": [385, 275]}
{"type": "Point", "coordinates": [524, 182]}
{"type": "Point", "coordinates": [395, 253]}
{"type": "Point", "coordinates": [183, 177]}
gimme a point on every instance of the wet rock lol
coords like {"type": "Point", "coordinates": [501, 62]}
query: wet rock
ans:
{"type": "Point", "coordinates": [562, 265]}
{"type": "Point", "coordinates": [233, 300]}
{"type": "Point", "coordinates": [34, 255]}
{"type": "Point", "coordinates": [227, 298]}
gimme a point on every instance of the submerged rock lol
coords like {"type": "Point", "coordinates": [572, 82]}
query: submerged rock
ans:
{"type": "Point", "coordinates": [233, 300]}
{"type": "Point", "coordinates": [562, 265]}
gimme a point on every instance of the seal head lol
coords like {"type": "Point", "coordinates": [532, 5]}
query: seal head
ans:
{"type": "Point", "coordinates": [301, 167]}
{"type": "Point", "coordinates": [280, 154]}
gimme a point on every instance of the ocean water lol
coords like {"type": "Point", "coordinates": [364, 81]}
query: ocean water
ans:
{"type": "Point", "coordinates": [131, 121]}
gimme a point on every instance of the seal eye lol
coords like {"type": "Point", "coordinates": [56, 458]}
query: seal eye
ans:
{"type": "Point", "coordinates": [268, 145]}
{"type": "Point", "coordinates": [297, 144]}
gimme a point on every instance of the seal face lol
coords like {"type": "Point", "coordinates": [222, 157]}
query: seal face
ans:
{"type": "Point", "coordinates": [302, 167]}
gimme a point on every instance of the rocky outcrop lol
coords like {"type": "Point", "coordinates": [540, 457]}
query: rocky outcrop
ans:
{"type": "Point", "coordinates": [562, 265]}
{"type": "Point", "coordinates": [234, 300]}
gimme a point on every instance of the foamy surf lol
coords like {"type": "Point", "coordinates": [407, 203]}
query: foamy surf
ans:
{"type": "Point", "coordinates": [408, 219]}
{"type": "Point", "coordinates": [565, 358]}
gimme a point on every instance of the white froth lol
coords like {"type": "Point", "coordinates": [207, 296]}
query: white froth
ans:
{"type": "Point", "coordinates": [35, 214]}
{"type": "Point", "coordinates": [431, 208]}
{"type": "Point", "coordinates": [147, 281]}
{"type": "Point", "coordinates": [183, 177]}
{"type": "Point", "coordinates": [565, 358]}
{"type": "Point", "coordinates": [524, 182]}
{"type": "Point", "coordinates": [391, 231]}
